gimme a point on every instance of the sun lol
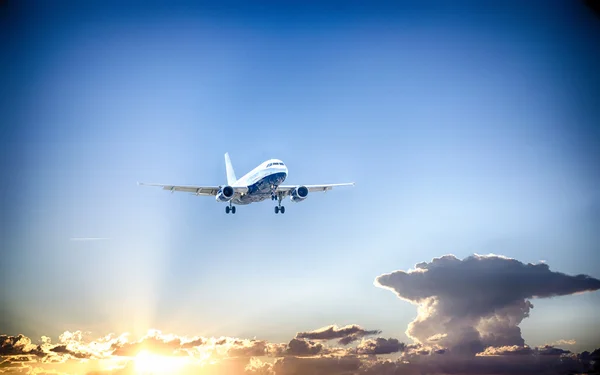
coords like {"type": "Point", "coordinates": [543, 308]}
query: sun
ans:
{"type": "Point", "coordinates": [147, 363]}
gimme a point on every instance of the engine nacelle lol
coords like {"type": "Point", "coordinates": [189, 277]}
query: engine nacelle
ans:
{"type": "Point", "coordinates": [299, 194]}
{"type": "Point", "coordinates": [225, 194]}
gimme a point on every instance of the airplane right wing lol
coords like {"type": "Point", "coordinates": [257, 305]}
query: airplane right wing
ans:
{"type": "Point", "coordinates": [311, 188]}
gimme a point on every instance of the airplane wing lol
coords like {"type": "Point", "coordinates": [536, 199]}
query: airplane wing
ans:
{"type": "Point", "coordinates": [286, 189]}
{"type": "Point", "coordinates": [196, 190]}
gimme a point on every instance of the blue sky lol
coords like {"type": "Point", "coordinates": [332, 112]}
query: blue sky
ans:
{"type": "Point", "coordinates": [470, 128]}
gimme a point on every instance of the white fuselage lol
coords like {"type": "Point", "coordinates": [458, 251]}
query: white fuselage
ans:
{"type": "Point", "coordinates": [261, 181]}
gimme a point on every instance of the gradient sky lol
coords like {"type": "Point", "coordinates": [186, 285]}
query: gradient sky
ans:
{"type": "Point", "coordinates": [468, 127]}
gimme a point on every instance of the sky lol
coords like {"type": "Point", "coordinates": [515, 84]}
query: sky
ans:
{"type": "Point", "coordinates": [468, 127]}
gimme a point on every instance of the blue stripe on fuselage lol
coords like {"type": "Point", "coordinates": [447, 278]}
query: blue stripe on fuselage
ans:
{"type": "Point", "coordinates": [261, 190]}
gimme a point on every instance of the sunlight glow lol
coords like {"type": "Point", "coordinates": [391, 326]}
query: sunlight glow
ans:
{"type": "Point", "coordinates": [148, 363]}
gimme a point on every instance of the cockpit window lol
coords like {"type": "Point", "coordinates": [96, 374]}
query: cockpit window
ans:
{"type": "Point", "coordinates": [270, 164]}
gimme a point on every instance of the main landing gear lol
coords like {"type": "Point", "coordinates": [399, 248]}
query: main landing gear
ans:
{"type": "Point", "coordinates": [279, 207]}
{"type": "Point", "coordinates": [230, 208]}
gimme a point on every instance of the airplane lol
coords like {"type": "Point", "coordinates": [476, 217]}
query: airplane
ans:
{"type": "Point", "coordinates": [262, 182]}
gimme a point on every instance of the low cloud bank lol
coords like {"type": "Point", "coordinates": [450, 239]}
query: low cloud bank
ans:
{"type": "Point", "coordinates": [111, 355]}
{"type": "Point", "coordinates": [468, 323]}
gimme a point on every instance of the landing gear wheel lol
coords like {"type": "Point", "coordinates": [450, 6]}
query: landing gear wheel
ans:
{"type": "Point", "coordinates": [233, 210]}
{"type": "Point", "coordinates": [279, 207]}
{"type": "Point", "coordinates": [227, 208]}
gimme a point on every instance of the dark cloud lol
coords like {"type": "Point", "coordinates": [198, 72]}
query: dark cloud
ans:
{"type": "Point", "coordinates": [346, 335]}
{"type": "Point", "coordinates": [380, 346]}
{"type": "Point", "coordinates": [300, 348]}
{"type": "Point", "coordinates": [18, 345]}
{"type": "Point", "coordinates": [193, 343]}
{"type": "Point", "coordinates": [551, 350]}
{"type": "Point", "coordinates": [442, 364]}
{"type": "Point", "coordinates": [470, 304]}
{"type": "Point", "coordinates": [317, 366]}
{"type": "Point", "coordinates": [593, 356]}
{"type": "Point", "coordinates": [63, 349]}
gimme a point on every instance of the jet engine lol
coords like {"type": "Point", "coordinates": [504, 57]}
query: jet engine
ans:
{"type": "Point", "coordinates": [299, 194]}
{"type": "Point", "coordinates": [225, 194]}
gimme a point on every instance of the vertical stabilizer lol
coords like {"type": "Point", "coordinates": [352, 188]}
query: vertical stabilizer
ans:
{"type": "Point", "coordinates": [231, 179]}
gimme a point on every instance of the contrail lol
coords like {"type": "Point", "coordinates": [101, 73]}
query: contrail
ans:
{"type": "Point", "coordinates": [88, 238]}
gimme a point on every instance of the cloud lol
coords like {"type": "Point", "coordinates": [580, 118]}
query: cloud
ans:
{"type": "Point", "coordinates": [317, 366]}
{"type": "Point", "coordinates": [563, 342]}
{"type": "Point", "coordinates": [507, 350]}
{"type": "Point", "coordinates": [380, 346]}
{"type": "Point", "coordinates": [258, 367]}
{"type": "Point", "coordinates": [18, 345]}
{"type": "Point", "coordinates": [65, 350]}
{"type": "Point", "coordinates": [299, 347]}
{"type": "Point", "coordinates": [470, 304]}
{"type": "Point", "coordinates": [551, 350]}
{"type": "Point", "coordinates": [461, 365]}
{"type": "Point", "coordinates": [524, 350]}
{"type": "Point", "coordinates": [79, 353]}
{"type": "Point", "coordinates": [254, 348]}
{"type": "Point", "coordinates": [346, 335]}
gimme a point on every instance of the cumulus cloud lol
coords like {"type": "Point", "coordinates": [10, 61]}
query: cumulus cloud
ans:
{"type": "Point", "coordinates": [299, 347]}
{"type": "Point", "coordinates": [346, 335]}
{"type": "Point", "coordinates": [468, 305]}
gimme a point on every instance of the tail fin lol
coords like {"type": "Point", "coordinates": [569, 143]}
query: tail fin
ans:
{"type": "Point", "coordinates": [231, 179]}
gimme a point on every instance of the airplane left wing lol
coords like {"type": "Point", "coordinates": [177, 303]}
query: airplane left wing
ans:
{"type": "Point", "coordinates": [286, 189]}
{"type": "Point", "coordinates": [197, 190]}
